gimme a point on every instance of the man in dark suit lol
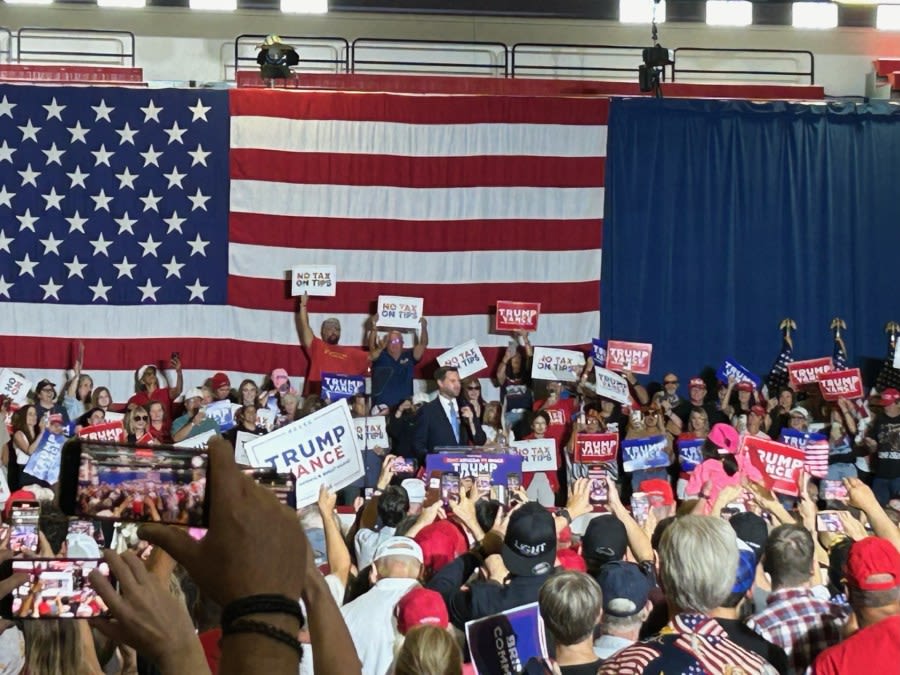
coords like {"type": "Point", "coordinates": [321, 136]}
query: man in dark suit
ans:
{"type": "Point", "coordinates": [443, 422]}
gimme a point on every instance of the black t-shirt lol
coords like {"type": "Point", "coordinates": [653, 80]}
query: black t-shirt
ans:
{"type": "Point", "coordinates": [886, 430]}
{"type": "Point", "coordinates": [582, 669]}
{"type": "Point", "coordinates": [749, 640]}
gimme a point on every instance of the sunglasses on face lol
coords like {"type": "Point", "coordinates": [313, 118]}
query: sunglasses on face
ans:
{"type": "Point", "coordinates": [140, 418]}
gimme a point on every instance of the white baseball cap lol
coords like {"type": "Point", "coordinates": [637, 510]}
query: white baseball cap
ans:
{"type": "Point", "coordinates": [399, 546]}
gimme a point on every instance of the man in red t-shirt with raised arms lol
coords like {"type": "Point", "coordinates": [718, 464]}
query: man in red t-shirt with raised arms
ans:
{"type": "Point", "coordinates": [325, 355]}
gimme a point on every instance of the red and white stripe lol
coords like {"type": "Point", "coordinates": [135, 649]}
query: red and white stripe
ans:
{"type": "Point", "coordinates": [461, 200]}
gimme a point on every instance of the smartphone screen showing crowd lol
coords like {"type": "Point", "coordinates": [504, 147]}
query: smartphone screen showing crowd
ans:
{"type": "Point", "coordinates": [56, 588]}
{"type": "Point", "coordinates": [24, 526]}
{"type": "Point", "coordinates": [110, 481]}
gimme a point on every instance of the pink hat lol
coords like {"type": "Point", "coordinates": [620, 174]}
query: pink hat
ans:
{"type": "Point", "coordinates": [725, 437]}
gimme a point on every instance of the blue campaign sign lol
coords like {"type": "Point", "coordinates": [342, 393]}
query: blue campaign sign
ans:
{"type": "Point", "coordinates": [689, 454]}
{"type": "Point", "coordinates": [731, 368]}
{"type": "Point", "coordinates": [44, 461]}
{"type": "Point", "coordinates": [336, 386]}
{"type": "Point", "coordinates": [598, 352]}
{"type": "Point", "coordinates": [222, 414]}
{"type": "Point", "coordinates": [800, 439]}
{"type": "Point", "coordinates": [644, 453]}
{"type": "Point", "coordinates": [474, 463]}
{"type": "Point", "coordinates": [503, 643]}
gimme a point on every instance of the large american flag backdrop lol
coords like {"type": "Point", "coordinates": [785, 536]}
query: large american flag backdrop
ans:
{"type": "Point", "coordinates": [145, 222]}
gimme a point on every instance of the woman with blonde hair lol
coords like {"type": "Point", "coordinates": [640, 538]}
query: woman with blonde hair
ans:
{"type": "Point", "coordinates": [64, 646]}
{"type": "Point", "coordinates": [428, 650]}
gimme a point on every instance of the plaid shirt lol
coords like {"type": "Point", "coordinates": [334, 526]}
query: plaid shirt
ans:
{"type": "Point", "coordinates": [801, 624]}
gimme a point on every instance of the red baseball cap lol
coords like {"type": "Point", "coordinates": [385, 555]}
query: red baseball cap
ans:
{"type": "Point", "coordinates": [744, 386]}
{"type": "Point", "coordinates": [17, 496]}
{"type": "Point", "coordinates": [421, 607]}
{"type": "Point", "coordinates": [758, 410]}
{"type": "Point", "coordinates": [219, 380]}
{"type": "Point", "coordinates": [569, 559]}
{"type": "Point", "coordinates": [55, 417]}
{"type": "Point", "coordinates": [890, 395]}
{"type": "Point", "coordinates": [871, 557]}
{"type": "Point", "coordinates": [697, 382]}
{"type": "Point", "coordinates": [659, 492]}
{"type": "Point", "coordinates": [442, 542]}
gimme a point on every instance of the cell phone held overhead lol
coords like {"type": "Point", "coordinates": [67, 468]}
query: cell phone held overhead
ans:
{"type": "Point", "coordinates": [127, 482]}
{"type": "Point", "coordinates": [56, 588]}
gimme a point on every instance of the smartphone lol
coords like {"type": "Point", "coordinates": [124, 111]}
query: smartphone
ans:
{"type": "Point", "coordinates": [640, 507]}
{"type": "Point", "coordinates": [500, 494]}
{"type": "Point", "coordinates": [513, 481]}
{"type": "Point", "coordinates": [829, 521]}
{"type": "Point", "coordinates": [56, 588]}
{"type": "Point", "coordinates": [175, 355]}
{"type": "Point", "coordinates": [731, 509]}
{"type": "Point", "coordinates": [834, 490]}
{"type": "Point", "coordinates": [283, 485]}
{"type": "Point", "coordinates": [433, 489]}
{"type": "Point", "coordinates": [483, 483]}
{"type": "Point", "coordinates": [511, 348]}
{"type": "Point", "coordinates": [23, 524]}
{"type": "Point", "coordinates": [599, 493]}
{"type": "Point", "coordinates": [403, 465]}
{"type": "Point", "coordinates": [126, 482]}
{"type": "Point", "coordinates": [449, 487]}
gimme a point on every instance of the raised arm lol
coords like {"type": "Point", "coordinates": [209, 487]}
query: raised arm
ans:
{"type": "Point", "coordinates": [301, 320]}
{"type": "Point", "coordinates": [335, 547]}
{"type": "Point", "coordinates": [638, 541]}
{"type": "Point", "coordinates": [72, 388]}
{"type": "Point", "coordinates": [422, 343]}
{"type": "Point", "coordinates": [175, 391]}
{"type": "Point", "coordinates": [862, 497]}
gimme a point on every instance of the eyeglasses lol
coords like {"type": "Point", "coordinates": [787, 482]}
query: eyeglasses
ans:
{"type": "Point", "coordinates": [49, 389]}
{"type": "Point", "coordinates": [651, 413]}
{"type": "Point", "coordinates": [140, 418]}
{"type": "Point", "coordinates": [670, 382]}
{"type": "Point", "coordinates": [473, 388]}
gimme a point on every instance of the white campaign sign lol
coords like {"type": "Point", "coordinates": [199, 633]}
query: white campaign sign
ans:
{"type": "Point", "coordinates": [611, 385]}
{"type": "Point", "coordinates": [395, 311]}
{"type": "Point", "coordinates": [314, 279]}
{"type": "Point", "coordinates": [240, 455]}
{"type": "Point", "coordinates": [564, 365]}
{"type": "Point", "coordinates": [14, 386]}
{"type": "Point", "coordinates": [319, 448]}
{"type": "Point", "coordinates": [111, 416]}
{"type": "Point", "coordinates": [467, 358]}
{"type": "Point", "coordinates": [538, 454]}
{"type": "Point", "coordinates": [198, 441]}
{"type": "Point", "coordinates": [371, 432]}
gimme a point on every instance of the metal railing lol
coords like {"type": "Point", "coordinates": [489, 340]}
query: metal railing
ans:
{"type": "Point", "coordinates": [34, 45]}
{"type": "Point", "coordinates": [767, 56]}
{"type": "Point", "coordinates": [452, 57]}
{"type": "Point", "coordinates": [575, 60]}
{"type": "Point", "coordinates": [317, 54]}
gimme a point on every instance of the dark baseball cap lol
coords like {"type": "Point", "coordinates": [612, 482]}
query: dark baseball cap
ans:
{"type": "Point", "coordinates": [625, 588]}
{"type": "Point", "coordinates": [529, 547]}
{"type": "Point", "coordinates": [752, 530]}
{"type": "Point", "coordinates": [604, 540]}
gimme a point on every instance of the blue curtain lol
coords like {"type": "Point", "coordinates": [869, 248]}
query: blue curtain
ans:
{"type": "Point", "coordinates": [723, 217]}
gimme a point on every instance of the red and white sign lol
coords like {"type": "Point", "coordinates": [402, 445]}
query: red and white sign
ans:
{"type": "Point", "coordinates": [780, 464]}
{"type": "Point", "coordinates": [517, 315]}
{"type": "Point", "coordinates": [633, 356]}
{"type": "Point", "coordinates": [14, 386]}
{"type": "Point", "coordinates": [807, 372]}
{"type": "Point", "coordinates": [113, 432]}
{"type": "Point", "coordinates": [538, 454]}
{"type": "Point", "coordinates": [840, 384]}
{"type": "Point", "coordinates": [596, 448]}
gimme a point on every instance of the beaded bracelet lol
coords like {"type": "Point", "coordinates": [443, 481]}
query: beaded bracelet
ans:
{"type": "Point", "coordinates": [262, 628]}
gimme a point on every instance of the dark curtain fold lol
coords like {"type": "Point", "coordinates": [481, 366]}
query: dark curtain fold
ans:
{"type": "Point", "coordinates": [723, 217]}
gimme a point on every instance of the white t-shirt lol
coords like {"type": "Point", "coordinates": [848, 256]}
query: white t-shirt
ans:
{"type": "Point", "coordinates": [370, 621]}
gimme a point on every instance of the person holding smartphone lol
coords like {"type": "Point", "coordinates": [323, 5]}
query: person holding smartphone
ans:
{"type": "Point", "coordinates": [514, 378]}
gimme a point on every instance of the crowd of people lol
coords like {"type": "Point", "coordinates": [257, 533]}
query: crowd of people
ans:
{"type": "Point", "coordinates": [387, 580]}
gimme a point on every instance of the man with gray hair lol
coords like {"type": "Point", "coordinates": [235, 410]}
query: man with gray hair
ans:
{"type": "Point", "coordinates": [626, 605]}
{"type": "Point", "coordinates": [698, 559]}
{"type": "Point", "coordinates": [796, 619]}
